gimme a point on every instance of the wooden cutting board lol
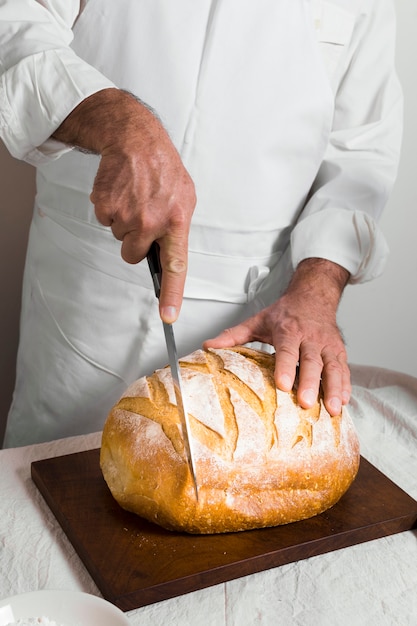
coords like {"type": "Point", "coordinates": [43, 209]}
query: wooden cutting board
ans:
{"type": "Point", "coordinates": [135, 563]}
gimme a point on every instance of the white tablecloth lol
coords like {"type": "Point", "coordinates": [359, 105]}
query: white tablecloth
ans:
{"type": "Point", "coordinates": [374, 584]}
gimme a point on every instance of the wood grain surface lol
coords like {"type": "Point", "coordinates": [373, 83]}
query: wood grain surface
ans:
{"type": "Point", "coordinates": [135, 563]}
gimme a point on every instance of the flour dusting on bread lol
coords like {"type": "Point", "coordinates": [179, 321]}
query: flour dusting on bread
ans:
{"type": "Point", "coordinates": [261, 460]}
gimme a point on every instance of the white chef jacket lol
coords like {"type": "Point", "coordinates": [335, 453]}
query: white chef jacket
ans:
{"type": "Point", "coordinates": [287, 114]}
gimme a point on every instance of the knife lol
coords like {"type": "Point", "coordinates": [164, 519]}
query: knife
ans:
{"type": "Point", "coordinates": [156, 273]}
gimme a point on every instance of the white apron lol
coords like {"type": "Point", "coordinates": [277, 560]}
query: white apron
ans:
{"type": "Point", "coordinates": [242, 89]}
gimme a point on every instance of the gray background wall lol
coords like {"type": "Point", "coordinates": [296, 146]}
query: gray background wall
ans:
{"type": "Point", "coordinates": [378, 319]}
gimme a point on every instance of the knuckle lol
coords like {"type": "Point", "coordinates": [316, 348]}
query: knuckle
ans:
{"type": "Point", "coordinates": [179, 218]}
{"type": "Point", "coordinates": [333, 366]}
{"type": "Point", "coordinates": [104, 213]}
{"type": "Point", "coordinates": [176, 266]}
{"type": "Point", "coordinates": [311, 355]}
{"type": "Point", "coordinates": [313, 358]}
{"type": "Point", "coordinates": [333, 358]}
{"type": "Point", "coordinates": [288, 351]}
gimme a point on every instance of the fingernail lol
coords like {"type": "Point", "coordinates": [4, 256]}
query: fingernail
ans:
{"type": "Point", "coordinates": [345, 397]}
{"type": "Point", "coordinates": [309, 397]}
{"type": "Point", "coordinates": [335, 405]}
{"type": "Point", "coordinates": [169, 314]}
{"type": "Point", "coordinates": [285, 383]}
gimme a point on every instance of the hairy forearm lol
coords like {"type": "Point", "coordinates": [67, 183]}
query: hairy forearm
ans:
{"type": "Point", "coordinates": [102, 120]}
{"type": "Point", "coordinates": [321, 280]}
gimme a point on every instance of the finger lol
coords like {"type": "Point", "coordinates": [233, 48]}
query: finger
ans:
{"type": "Point", "coordinates": [230, 337]}
{"type": "Point", "coordinates": [103, 211]}
{"type": "Point", "coordinates": [346, 383]}
{"type": "Point", "coordinates": [332, 385]}
{"type": "Point", "coordinates": [134, 247]}
{"type": "Point", "coordinates": [310, 372]}
{"type": "Point", "coordinates": [336, 383]}
{"type": "Point", "coordinates": [174, 257]}
{"type": "Point", "coordinates": [286, 361]}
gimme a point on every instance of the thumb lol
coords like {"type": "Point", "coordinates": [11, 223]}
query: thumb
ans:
{"type": "Point", "coordinates": [230, 337]}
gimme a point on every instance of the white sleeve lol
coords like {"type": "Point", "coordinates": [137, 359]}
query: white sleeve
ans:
{"type": "Point", "coordinates": [41, 79]}
{"type": "Point", "coordinates": [339, 222]}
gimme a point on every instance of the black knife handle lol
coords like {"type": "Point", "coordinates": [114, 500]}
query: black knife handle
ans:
{"type": "Point", "coordinates": [155, 267]}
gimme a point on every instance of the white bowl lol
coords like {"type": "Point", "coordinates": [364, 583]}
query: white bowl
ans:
{"type": "Point", "coordinates": [66, 608]}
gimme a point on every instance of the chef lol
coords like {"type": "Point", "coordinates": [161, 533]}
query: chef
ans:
{"type": "Point", "coordinates": [256, 142]}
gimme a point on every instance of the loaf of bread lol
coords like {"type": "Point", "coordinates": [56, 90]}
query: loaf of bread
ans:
{"type": "Point", "coordinates": [261, 460]}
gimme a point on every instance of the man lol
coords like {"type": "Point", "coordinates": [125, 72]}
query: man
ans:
{"type": "Point", "coordinates": [261, 175]}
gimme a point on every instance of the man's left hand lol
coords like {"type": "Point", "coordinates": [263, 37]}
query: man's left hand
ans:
{"type": "Point", "coordinates": [301, 326]}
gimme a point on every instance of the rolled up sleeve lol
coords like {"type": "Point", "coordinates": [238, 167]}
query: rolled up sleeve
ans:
{"type": "Point", "coordinates": [340, 220]}
{"type": "Point", "coordinates": [41, 78]}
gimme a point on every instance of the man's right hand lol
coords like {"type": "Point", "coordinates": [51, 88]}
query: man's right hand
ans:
{"type": "Point", "coordinates": [142, 189]}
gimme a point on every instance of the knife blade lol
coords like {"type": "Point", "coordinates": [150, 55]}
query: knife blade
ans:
{"type": "Point", "coordinates": [156, 273]}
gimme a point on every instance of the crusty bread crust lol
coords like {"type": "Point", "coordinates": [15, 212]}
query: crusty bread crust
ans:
{"type": "Point", "coordinates": [261, 460]}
